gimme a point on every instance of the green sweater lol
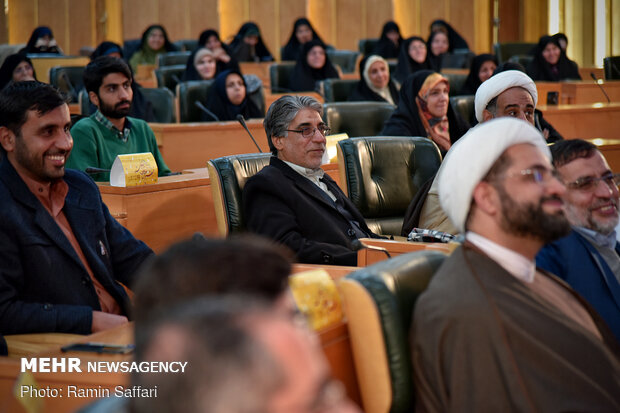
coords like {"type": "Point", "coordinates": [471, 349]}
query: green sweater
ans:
{"type": "Point", "coordinates": [96, 146]}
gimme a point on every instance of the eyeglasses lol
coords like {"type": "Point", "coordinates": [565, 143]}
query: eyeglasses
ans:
{"type": "Point", "coordinates": [538, 175]}
{"type": "Point", "coordinates": [309, 132]}
{"type": "Point", "coordinates": [589, 183]}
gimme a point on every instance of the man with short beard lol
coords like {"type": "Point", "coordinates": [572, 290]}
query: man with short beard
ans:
{"type": "Point", "coordinates": [109, 132]}
{"type": "Point", "coordinates": [588, 257]}
{"type": "Point", "coordinates": [492, 333]}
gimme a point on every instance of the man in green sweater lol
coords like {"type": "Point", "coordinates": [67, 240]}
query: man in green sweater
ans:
{"type": "Point", "coordinates": [109, 132]}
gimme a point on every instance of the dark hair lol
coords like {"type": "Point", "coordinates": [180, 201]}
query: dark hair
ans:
{"type": "Point", "coordinates": [20, 97]}
{"type": "Point", "coordinates": [99, 68]}
{"type": "Point", "coordinates": [282, 112]}
{"type": "Point", "coordinates": [246, 264]}
{"type": "Point", "coordinates": [566, 151]}
{"type": "Point", "coordinates": [168, 46]}
{"type": "Point", "coordinates": [105, 48]}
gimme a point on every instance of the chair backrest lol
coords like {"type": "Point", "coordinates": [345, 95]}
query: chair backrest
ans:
{"type": "Point", "coordinates": [196, 90]}
{"type": "Point", "coordinates": [228, 177]}
{"type": "Point", "coordinates": [130, 47]}
{"type": "Point", "coordinates": [68, 79]}
{"type": "Point", "coordinates": [357, 118]}
{"type": "Point", "coordinates": [611, 66]}
{"type": "Point", "coordinates": [505, 51]}
{"type": "Point", "coordinates": [392, 64]}
{"type": "Point", "coordinates": [459, 59]}
{"type": "Point", "coordinates": [186, 45]}
{"type": "Point", "coordinates": [84, 102]}
{"type": "Point", "coordinates": [456, 81]}
{"type": "Point", "coordinates": [280, 77]}
{"type": "Point", "coordinates": [522, 59]}
{"type": "Point", "coordinates": [366, 46]}
{"type": "Point", "coordinates": [379, 302]}
{"type": "Point", "coordinates": [338, 90]}
{"type": "Point", "coordinates": [346, 59]}
{"type": "Point", "coordinates": [172, 58]}
{"type": "Point", "coordinates": [464, 104]}
{"type": "Point", "coordinates": [162, 102]}
{"type": "Point", "coordinates": [383, 174]}
{"type": "Point", "coordinates": [169, 76]}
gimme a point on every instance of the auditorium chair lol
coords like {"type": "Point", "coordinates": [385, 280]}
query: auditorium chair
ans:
{"type": "Point", "coordinates": [186, 45]}
{"type": "Point", "coordinates": [338, 90]}
{"type": "Point", "coordinates": [162, 102]}
{"type": "Point", "coordinates": [130, 47]}
{"type": "Point", "coordinates": [172, 58]}
{"type": "Point", "coordinates": [522, 59]}
{"type": "Point", "coordinates": [68, 79]}
{"type": "Point", "coordinates": [392, 63]}
{"type": "Point", "coordinates": [357, 118]}
{"type": "Point", "coordinates": [196, 90]}
{"type": "Point", "coordinates": [228, 177]}
{"type": "Point", "coordinates": [459, 59]}
{"type": "Point", "coordinates": [346, 59]}
{"type": "Point", "coordinates": [367, 46]}
{"type": "Point", "coordinates": [504, 51]}
{"type": "Point", "coordinates": [456, 82]}
{"type": "Point", "coordinates": [280, 77]}
{"type": "Point", "coordinates": [611, 66]}
{"type": "Point", "coordinates": [464, 105]}
{"type": "Point", "coordinates": [169, 76]}
{"type": "Point", "coordinates": [379, 302]}
{"type": "Point", "coordinates": [382, 174]}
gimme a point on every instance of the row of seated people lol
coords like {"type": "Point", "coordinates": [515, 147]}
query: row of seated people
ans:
{"type": "Point", "coordinates": [509, 200]}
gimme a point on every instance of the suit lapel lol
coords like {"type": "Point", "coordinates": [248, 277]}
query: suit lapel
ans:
{"type": "Point", "coordinates": [608, 276]}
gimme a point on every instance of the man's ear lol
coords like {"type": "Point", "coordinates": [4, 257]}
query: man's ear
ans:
{"type": "Point", "coordinates": [93, 98]}
{"type": "Point", "coordinates": [277, 142]}
{"type": "Point", "coordinates": [7, 139]}
{"type": "Point", "coordinates": [486, 115]}
{"type": "Point", "coordinates": [486, 198]}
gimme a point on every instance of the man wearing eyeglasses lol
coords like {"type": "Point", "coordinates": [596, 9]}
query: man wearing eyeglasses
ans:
{"type": "Point", "coordinates": [588, 257]}
{"type": "Point", "coordinates": [493, 333]}
{"type": "Point", "coordinates": [292, 200]}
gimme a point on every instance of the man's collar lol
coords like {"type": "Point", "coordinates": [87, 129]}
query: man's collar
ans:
{"type": "Point", "coordinates": [607, 241]}
{"type": "Point", "coordinates": [312, 174]}
{"type": "Point", "coordinates": [122, 135]}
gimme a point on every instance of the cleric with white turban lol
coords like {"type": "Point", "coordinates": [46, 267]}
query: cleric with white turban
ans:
{"type": "Point", "coordinates": [471, 158]}
{"type": "Point", "coordinates": [500, 82]}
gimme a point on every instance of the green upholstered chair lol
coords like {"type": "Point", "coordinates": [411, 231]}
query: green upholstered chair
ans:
{"type": "Point", "coordinates": [280, 77]}
{"type": "Point", "coordinates": [162, 101]}
{"type": "Point", "coordinates": [464, 105]}
{"type": "Point", "coordinates": [172, 58]}
{"type": "Point", "coordinates": [505, 51]}
{"type": "Point", "coordinates": [186, 45]}
{"type": "Point", "coordinates": [522, 59]}
{"type": "Point", "coordinates": [456, 81]}
{"type": "Point", "coordinates": [169, 76]}
{"type": "Point", "coordinates": [366, 46]}
{"type": "Point", "coordinates": [611, 66]}
{"type": "Point", "coordinates": [68, 79]}
{"type": "Point", "coordinates": [228, 177]}
{"type": "Point", "coordinates": [357, 118]}
{"type": "Point", "coordinates": [381, 175]}
{"type": "Point", "coordinates": [346, 59]}
{"type": "Point", "coordinates": [459, 59]}
{"type": "Point", "coordinates": [338, 90]}
{"type": "Point", "coordinates": [379, 302]}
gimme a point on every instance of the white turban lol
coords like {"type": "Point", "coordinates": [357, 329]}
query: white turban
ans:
{"type": "Point", "coordinates": [496, 84]}
{"type": "Point", "coordinates": [471, 158]}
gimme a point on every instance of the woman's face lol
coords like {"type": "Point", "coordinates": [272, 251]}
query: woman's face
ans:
{"type": "Point", "coordinates": [23, 72]}
{"type": "Point", "coordinates": [316, 57]}
{"type": "Point", "coordinates": [303, 33]}
{"type": "Point", "coordinates": [213, 43]}
{"type": "Point", "coordinates": [417, 51]}
{"type": "Point", "coordinates": [437, 100]}
{"type": "Point", "coordinates": [440, 44]}
{"type": "Point", "coordinates": [156, 39]}
{"type": "Point", "coordinates": [235, 89]}
{"type": "Point", "coordinates": [379, 74]}
{"type": "Point", "coordinates": [393, 36]}
{"type": "Point", "coordinates": [486, 70]}
{"type": "Point", "coordinates": [206, 67]}
{"type": "Point", "coordinates": [551, 53]}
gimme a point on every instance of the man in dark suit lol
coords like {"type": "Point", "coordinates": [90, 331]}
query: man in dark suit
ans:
{"type": "Point", "coordinates": [292, 200]}
{"type": "Point", "coordinates": [588, 258]}
{"type": "Point", "coordinates": [62, 255]}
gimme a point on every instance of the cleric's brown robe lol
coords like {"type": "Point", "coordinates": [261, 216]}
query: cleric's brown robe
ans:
{"type": "Point", "coordinates": [484, 342]}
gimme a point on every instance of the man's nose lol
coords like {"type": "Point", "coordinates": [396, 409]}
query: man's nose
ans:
{"type": "Point", "coordinates": [64, 141]}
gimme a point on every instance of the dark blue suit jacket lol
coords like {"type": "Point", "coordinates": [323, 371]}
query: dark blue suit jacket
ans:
{"type": "Point", "coordinates": [43, 285]}
{"type": "Point", "coordinates": [575, 260]}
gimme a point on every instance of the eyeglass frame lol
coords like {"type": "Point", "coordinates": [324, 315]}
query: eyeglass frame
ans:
{"type": "Point", "coordinates": [538, 174]}
{"type": "Point", "coordinates": [324, 132]}
{"type": "Point", "coordinates": [589, 183]}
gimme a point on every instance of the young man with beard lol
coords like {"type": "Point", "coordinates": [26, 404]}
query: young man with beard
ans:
{"type": "Point", "coordinates": [492, 332]}
{"type": "Point", "coordinates": [62, 255]}
{"type": "Point", "coordinates": [109, 132]}
{"type": "Point", "coordinates": [588, 257]}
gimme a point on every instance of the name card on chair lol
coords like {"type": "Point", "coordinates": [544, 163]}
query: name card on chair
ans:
{"type": "Point", "coordinates": [133, 169]}
{"type": "Point", "coordinates": [317, 297]}
{"type": "Point", "coordinates": [331, 154]}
